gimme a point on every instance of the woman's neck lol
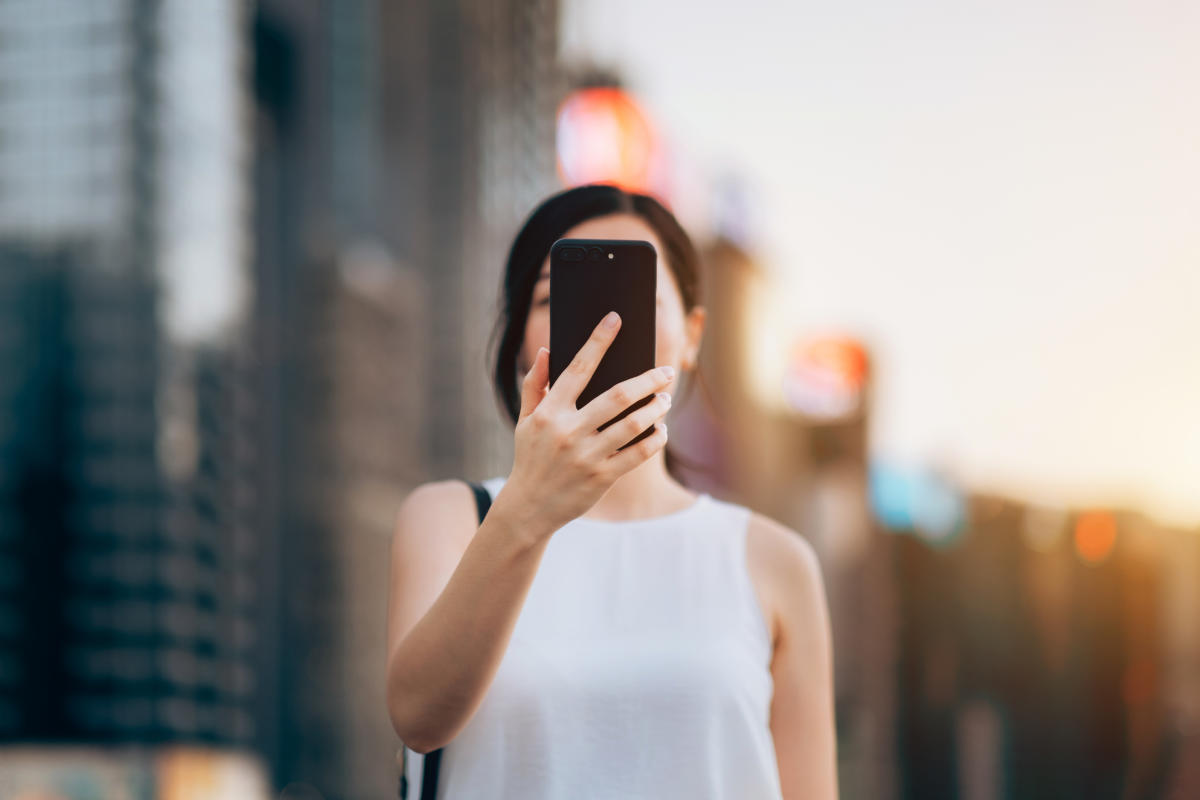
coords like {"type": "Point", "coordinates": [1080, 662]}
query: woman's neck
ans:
{"type": "Point", "coordinates": [647, 490]}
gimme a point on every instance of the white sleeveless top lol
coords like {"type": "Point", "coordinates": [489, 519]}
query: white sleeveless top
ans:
{"type": "Point", "coordinates": [638, 668]}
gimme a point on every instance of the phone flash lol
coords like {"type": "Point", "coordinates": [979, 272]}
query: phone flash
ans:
{"type": "Point", "coordinates": [610, 255]}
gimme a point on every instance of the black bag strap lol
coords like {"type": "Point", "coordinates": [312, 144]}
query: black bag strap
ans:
{"type": "Point", "coordinates": [483, 500]}
{"type": "Point", "coordinates": [432, 765]}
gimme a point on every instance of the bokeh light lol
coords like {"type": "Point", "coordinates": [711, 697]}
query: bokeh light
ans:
{"type": "Point", "coordinates": [1095, 535]}
{"type": "Point", "coordinates": [603, 136]}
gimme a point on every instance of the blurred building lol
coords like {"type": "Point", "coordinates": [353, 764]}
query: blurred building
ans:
{"type": "Point", "coordinates": [397, 146]}
{"type": "Point", "coordinates": [82, 503]}
{"type": "Point", "coordinates": [1181, 662]}
{"type": "Point", "coordinates": [827, 389]}
{"type": "Point", "coordinates": [78, 114]}
{"type": "Point", "coordinates": [732, 434]}
{"type": "Point", "coordinates": [210, 431]}
{"type": "Point", "coordinates": [1043, 654]}
{"type": "Point", "coordinates": [469, 95]}
{"type": "Point", "coordinates": [129, 609]}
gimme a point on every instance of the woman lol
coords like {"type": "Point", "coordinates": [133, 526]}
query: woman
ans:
{"type": "Point", "coordinates": [605, 632]}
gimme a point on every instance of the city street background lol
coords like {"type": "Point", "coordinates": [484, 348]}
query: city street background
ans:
{"type": "Point", "coordinates": [250, 260]}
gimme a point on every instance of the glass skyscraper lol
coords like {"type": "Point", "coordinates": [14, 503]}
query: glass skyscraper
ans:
{"type": "Point", "coordinates": [128, 605]}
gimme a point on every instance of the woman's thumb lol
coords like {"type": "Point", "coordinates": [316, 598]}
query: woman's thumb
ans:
{"type": "Point", "coordinates": [534, 386]}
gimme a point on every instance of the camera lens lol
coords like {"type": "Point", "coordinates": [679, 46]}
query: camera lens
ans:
{"type": "Point", "coordinates": [572, 254]}
{"type": "Point", "coordinates": [595, 253]}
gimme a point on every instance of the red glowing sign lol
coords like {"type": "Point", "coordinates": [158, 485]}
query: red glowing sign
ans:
{"type": "Point", "coordinates": [603, 137]}
{"type": "Point", "coordinates": [826, 377]}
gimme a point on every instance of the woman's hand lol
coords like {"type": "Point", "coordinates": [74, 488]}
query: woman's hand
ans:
{"type": "Point", "coordinates": [563, 464]}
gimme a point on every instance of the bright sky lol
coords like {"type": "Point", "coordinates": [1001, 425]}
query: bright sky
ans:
{"type": "Point", "coordinates": [1003, 199]}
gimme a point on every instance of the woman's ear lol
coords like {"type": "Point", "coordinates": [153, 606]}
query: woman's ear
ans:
{"type": "Point", "coordinates": [694, 330]}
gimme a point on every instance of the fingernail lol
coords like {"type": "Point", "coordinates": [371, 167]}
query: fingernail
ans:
{"type": "Point", "coordinates": [666, 396]}
{"type": "Point", "coordinates": [667, 372]}
{"type": "Point", "coordinates": [610, 319]}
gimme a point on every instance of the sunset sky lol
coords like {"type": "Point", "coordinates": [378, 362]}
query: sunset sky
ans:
{"type": "Point", "coordinates": [1002, 199]}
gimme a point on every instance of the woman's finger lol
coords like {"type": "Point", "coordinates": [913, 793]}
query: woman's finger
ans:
{"type": "Point", "coordinates": [533, 388]}
{"type": "Point", "coordinates": [631, 425]}
{"type": "Point", "coordinates": [624, 460]}
{"type": "Point", "coordinates": [574, 378]}
{"type": "Point", "coordinates": [624, 394]}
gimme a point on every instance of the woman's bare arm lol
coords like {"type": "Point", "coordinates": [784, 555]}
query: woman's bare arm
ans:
{"type": "Point", "coordinates": [802, 709]}
{"type": "Point", "coordinates": [449, 617]}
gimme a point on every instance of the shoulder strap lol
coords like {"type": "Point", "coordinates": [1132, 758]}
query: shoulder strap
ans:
{"type": "Point", "coordinates": [483, 500]}
{"type": "Point", "coordinates": [432, 764]}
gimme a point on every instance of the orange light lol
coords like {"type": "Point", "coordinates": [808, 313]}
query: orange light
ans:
{"type": "Point", "coordinates": [1095, 535]}
{"type": "Point", "coordinates": [839, 356]}
{"type": "Point", "coordinates": [603, 137]}
{"type": "Point", "coordinates": [826, 376]}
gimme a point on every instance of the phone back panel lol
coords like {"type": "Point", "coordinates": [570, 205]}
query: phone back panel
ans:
{"type": "Point", "coordinates": [584, 289]}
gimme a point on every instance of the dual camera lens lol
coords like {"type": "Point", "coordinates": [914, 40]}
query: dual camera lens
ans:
{"type": "Point", "coordinates": [578, 254]}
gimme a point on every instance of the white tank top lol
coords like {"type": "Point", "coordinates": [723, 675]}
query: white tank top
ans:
{"type": "Point", "coordinates": [639, 667]}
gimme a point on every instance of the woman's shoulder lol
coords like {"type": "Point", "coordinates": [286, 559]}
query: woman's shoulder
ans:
{"type": "Point", "coordinates": [434, 494]}
{"type": "Point", "coordinates": [447, 501]}
{"type": "Point", "coordinates": [446, 506]}
{"type": "Point", "coordinates": [782, 546]}
{"type": "Point", "coordinates": [784, 567]}
{"type": "Point", "coordinates": [773, 541]}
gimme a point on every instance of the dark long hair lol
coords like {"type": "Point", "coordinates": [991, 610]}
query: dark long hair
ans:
{"type": "Point", "coordinates": [547, 224]}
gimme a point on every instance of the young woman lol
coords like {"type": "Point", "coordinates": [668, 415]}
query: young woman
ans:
{"type": "Point", "coordinates": [605, 633]}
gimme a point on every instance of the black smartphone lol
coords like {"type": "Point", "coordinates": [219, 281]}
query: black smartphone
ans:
{"type": "Point", "coordinates": [588, 279]}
